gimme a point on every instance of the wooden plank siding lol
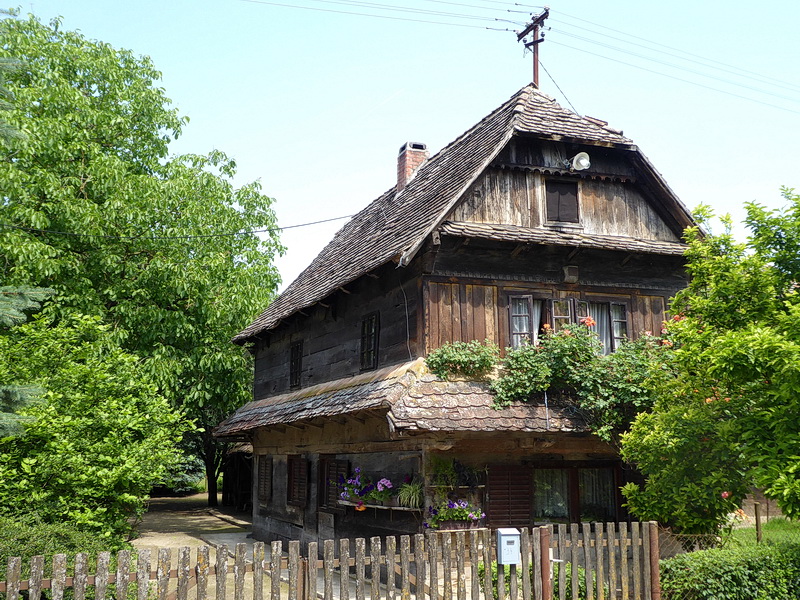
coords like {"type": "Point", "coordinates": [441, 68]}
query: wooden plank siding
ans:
{"type": "Point", "coordinates": [460, 312]}
{"type": "Point", "coordinates": [470, 311]}
{"type": "Point", "coordinates": [516, 197]}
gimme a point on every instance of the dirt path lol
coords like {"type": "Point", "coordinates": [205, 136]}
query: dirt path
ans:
{"type": "Point", "coordinates": [188, 521]}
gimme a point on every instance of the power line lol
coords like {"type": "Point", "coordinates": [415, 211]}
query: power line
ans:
{"type": "Point", "coordinates": [708, 87]}
{"type": "Point", "coordinates": [670, 47]}
{"type": "Point", "coordinates": [169, 237]}
{"type": "Point", "coordinates": [696, 59]}
{"type": "Point", "coordinates": [558, 87]}
{"type": "Point", "coordinates": [394, 7]}
{"type": "Point", "coordinates": [390, 18]}
{"type": "Point", "coordinates": [674, 66]}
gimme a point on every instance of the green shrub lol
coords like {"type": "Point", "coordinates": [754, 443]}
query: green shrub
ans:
{"type": "Point", "coordinates": [764, 572]}
{"type": "Point", "coordinates": [29, 537]}
{"type": "Point", "coordinates": [465, 359]}
{"type": "Point", "coordinates": [556, 567]}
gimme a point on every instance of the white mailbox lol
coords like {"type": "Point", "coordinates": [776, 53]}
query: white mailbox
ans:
{"type": "Point", "coordinates": [508, 546]}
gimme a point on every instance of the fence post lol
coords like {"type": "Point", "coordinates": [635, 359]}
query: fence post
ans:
{"type": "Point", "coordinates": [655, 582]}
{"type": "Point", "coordinates": [544, 546]}
{"type": "Point", "coordinates": [757, 507]}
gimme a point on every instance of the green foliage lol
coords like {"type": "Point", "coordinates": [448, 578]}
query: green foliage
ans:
{"type": "Point", "coordinates": [556, 587]}
{"type": "Point", "coordinates": [161, 248]}
{"type": "Point", "coordinates": [99, 439]}
{"type": "Point", "coordinates": [466, 359]}
{"type": "Point", "coordinates": [28, 536]}
{"type": "Point", "coordinates": [16, 301]}
{"type": "Point", "coordinates": [729, 420]}
{"type": "Point", "coordinates": [453, 510]}
{"type": "Point", "coordinates": [610, 390]}
{"type": "Point", "coordinates": [183, 477]}
{"type": "Point", "coordinates": [411, 494]}
{"type": "Point", "coordinates": [749, 573]}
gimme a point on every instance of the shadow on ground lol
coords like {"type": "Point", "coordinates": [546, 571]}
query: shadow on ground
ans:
{"type": "Point", "coordinates": [188, 521]}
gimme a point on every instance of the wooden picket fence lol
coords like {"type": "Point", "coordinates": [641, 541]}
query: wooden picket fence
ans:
{"type": "Point", "coordinates": [609, 561]}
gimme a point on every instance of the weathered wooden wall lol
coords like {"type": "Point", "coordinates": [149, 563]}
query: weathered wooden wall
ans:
{"type": "Point", "coordinates": [465, 296]}
{"type": "Point", "coordinates": [517, 197]}
{"type": "Point", "coordinates": [331, 334]}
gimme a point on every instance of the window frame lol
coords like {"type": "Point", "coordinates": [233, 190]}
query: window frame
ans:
{"type": "Point", "coordinates": [531, 332]}
{"type": "Point", "coordinates": [370, 338]}
{"type": "Point", "coordinates": [579, 308]}
{"type": "Point", "coordinates": [295, 364]}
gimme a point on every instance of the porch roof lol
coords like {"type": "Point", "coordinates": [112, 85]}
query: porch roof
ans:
{"type": "Point", "coordinates": [413, 400]}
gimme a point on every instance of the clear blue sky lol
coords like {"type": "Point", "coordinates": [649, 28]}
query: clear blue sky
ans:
{"type": "Point", "coordinates": [315, 104]}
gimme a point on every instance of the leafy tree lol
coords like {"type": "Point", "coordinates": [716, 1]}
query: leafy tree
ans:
{"type": "Point", "coordinates": [162, 248]}
{"type": "Point", "coordinates": [100, 438]}
{"type": "Point", "coordinates": [15, 302]}
{"type": "Point", "coordinates": [728, 420]}
{"type": "Point", "coordinates": [8, 64]}
{"type": "Point", "coordinates": [608, 390]}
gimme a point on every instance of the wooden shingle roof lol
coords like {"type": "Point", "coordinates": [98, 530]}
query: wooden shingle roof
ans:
{"type": "Point", "coordinates": [395, 225]}
{"type": "Point", "coordinates": [413, 400]}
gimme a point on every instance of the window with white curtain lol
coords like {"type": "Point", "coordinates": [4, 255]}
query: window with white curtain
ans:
{"type": "Point", "coordinates": [525, 317]}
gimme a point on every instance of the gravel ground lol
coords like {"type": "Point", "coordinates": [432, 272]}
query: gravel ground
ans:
{"type": "Point", "coordinates": [188, 521]}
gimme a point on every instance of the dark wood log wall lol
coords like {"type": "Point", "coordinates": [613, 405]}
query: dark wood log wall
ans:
{"type": "Point", "coordinates": [331, 333]}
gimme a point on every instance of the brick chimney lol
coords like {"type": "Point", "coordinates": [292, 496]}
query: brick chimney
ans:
{"type": "Point", "coordinates": [411, 157]}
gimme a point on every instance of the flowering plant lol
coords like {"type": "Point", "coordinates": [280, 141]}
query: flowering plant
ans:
{"type": "Point", "coordinates": [453, 510]}
{"type": "Point", "coordinates": [360, 489]}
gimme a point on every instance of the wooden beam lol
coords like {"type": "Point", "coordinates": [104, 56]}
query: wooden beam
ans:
{"type": "Point", "coordinates": [518, 249]}
{"type": "Point", "coordinates": [626, 260]}
{"type": "Point", "coordinates": [344, 290]}
{"type": "Point", "coordinates": [573, 253]}
{"type": "Point", "coordinates": [373, 275]}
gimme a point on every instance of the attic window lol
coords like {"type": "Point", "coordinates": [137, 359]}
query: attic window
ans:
{"type": "Point", "coordinates": [562, 201]}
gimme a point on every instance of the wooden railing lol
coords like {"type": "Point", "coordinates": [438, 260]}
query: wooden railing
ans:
{"type": "Point", "coordinates": [609, 561]}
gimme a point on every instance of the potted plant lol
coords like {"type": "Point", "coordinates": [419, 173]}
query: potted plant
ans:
{"type": "Point", "coordinates": [360, 490]}
{"type": "Point", "coordinates": [410, 494]}
{"type": "Point", "coordinates": [454, 514]}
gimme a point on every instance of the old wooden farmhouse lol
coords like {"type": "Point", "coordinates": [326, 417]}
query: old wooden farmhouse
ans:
{"type": "Point", "coordinates": [505, 230]}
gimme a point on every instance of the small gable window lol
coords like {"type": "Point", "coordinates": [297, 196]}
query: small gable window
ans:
{"type": "Point", "coordinates": [295, 363]}
{"type": "Point", "coordinates": [562, 201]}
{"type": "Point", "coordinates": [370, 329]}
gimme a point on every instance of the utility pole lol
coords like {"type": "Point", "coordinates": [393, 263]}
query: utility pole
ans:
{"type": "Point", "coordinates": [534, 27]}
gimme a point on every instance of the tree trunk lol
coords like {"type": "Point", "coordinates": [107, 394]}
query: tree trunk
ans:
{"type": "Point", "coordinates": [211, 478]}
{"type": "Point", "coordinates": [211, 458]}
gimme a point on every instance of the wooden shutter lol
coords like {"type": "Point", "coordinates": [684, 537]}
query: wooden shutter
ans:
{"type": "Point", "coordinates": [264, 478]}
{"type": "Point", "coordinates": [297, 486]}
{"type": "Point", "coordinates": [509, 496]}
{"type": "Point", "coordinates": [562, 201]}
{"type": "Point", "coordinates": [330, 471]}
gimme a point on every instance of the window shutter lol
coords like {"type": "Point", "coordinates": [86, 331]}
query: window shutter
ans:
{"type": "Point", "coordinates": [264, 478]}
{"type": "Point", "coordinates": [510, 491]}
{"type": "Point", "coordinates": [562, 201]}
{"type": "Point", "coordinates": [297, 488]}
{"type": "Point", "coordinates": [331, 470]}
